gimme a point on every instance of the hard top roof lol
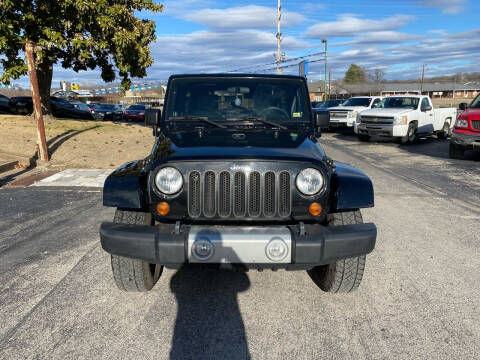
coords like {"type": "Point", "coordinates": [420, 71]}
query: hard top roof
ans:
{"type": "Point", "coordinates": [238, 75]}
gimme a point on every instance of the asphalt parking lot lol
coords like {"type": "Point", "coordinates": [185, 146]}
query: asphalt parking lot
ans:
{"type": "Point", "coordinates": [419, 298]}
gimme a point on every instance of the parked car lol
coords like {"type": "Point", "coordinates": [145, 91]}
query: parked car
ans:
{"type": "Point", "coordinates": [4, 107]}
{"type": "Point", "coordinates": [106, 112]}
{"type": "Point", "coordinates": [22, 105]}
{"type": "Point", "coordinates": [405, 117]}
{"type": "Point", "coordinates": [242, 184]}
{"type": "Point", "coordinates": [346, 115]}
{"type": "Point", "coordinates": [327, 104]}
{"type": "Point", "coordinates": [91, 106]}
{"type": "Point", "coordinates": [80, 105]}
{"type": "Point", "coordinates": [135, 112]}
{"type": "Point", "coordinates": [59, 107]}
{"type": "Point", "coordinates": [466, 132]}
{"type": "Point", "coordinates": [316, 104]}
{"type": "Point", "coordinates": [119, 109]}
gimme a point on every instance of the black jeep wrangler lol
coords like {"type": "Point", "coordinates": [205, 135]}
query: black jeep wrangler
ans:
{"type": "Point", "coordinates": [237, 178]}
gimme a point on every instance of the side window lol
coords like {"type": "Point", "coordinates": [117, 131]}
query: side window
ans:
{"type": "Point", "coordinates": [425, 102]}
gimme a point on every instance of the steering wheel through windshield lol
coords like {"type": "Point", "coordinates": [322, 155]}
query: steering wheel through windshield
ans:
{"type": "Point", "coordinates": [272, 109]}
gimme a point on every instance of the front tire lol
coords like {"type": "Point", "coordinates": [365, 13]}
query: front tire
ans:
{"type": "Point", "coordinates": [134, 275]}
{"type": "Point", "coordinates": [344, 275]}
{"type": "Point", "coordinates": [411, 134]}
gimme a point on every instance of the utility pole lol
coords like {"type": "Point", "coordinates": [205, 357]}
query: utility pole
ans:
{"type": "Point", "coordinates": [279, 37]}
{"type": "Point", "coordinates": [329, 82]}
{"type": "Point", "coordinates": [324, 41]}
{"type": "Point", "coordinates": [423, 79]}
{"type": "Point", "coordinates": [454, 87]}
{"type": "Point", "coordinates": [37, 106]}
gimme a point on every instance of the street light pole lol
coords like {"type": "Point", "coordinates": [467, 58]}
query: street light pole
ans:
{"type": "Point", "coordinates": [324, 41]}
{"type": "Point", "coordinates": [37, 106]}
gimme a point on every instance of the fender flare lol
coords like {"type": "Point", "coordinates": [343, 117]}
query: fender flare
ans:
{"type": "Point", "coordinates": [350, 188]}
{"type": "Point", "coordinates": [124, 188]}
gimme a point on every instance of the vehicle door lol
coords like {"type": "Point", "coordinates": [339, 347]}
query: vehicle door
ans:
{"type": "Point", "coordinates": [426, 119]}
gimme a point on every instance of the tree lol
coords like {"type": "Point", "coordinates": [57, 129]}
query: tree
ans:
{"type": "Point", "coordinates": [378, 79]}
{"type": "Point", "coordinates": [355, 75]}
{"type": "Point", "coordinates": [80, 34]}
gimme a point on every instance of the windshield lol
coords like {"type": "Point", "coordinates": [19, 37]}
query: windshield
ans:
{"type": "Point", "coordinates": [233, 99]}
{"type": "Point", "coordinates": [105, 107]}
{"type": "Point", "coordinates": [400, 102]}
{"type": "Point", "coordinates": [476, 103]}
{"type": "Point", "coordinates": [81, 106]}
{"type": "Point", "coordinates": [357, 102]}
{"type": "Point", "coordinates": [330, 103]}
{"type": "Point", "coordinates": [136, 107]}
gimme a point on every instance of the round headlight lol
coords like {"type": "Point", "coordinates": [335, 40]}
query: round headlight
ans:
{"type": "Point", "coordinates": [169, 180]}
{"type": "Point", "coordinates": [309, 181]}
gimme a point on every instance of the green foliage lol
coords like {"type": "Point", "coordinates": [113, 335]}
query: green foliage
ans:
{"type": "Point", "coordinates": [355, 74]}
{"type": "Point", "coordinates": [80, 34]}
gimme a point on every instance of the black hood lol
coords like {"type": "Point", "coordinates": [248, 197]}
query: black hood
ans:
{"type": "Point", "coordinates": [300, 149]}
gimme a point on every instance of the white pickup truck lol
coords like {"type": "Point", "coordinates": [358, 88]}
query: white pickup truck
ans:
{"type": "Point", "coordinates": [346, 114]}
{"type": "Point", "coordinates": [405, 117]}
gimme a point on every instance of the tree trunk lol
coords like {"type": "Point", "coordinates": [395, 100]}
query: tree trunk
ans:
{"type": "Point", "coordinates": [44, 74]}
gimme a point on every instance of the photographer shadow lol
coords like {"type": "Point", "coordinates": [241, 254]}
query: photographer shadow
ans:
{"type": "Point", "coordinates": [209, 324]}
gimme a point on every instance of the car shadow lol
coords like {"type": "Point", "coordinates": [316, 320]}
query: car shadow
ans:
{"type": "Point", "coordinates": [209, 324]}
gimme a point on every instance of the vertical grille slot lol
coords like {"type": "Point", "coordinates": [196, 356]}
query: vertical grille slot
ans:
{"type": "Point", "coordinates": [254, 194]}
{"type": "Point", "coordinates": [224, 201]}
{"type": "Point", "coordinates": [284, 206]}
{"type": "Point", "coordinates": [269, 194]}
{"type": "Point", "coordinates": [239, 194]}
{"type": "Point", "coordinates": [476, 124]}
{"type": "Point", "coordinates": [194, 194]}
{"type": "Point", "coordinates": [209, 194]}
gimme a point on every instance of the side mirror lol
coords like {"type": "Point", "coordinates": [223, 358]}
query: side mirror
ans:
{"type": "Point", "coordinates": [322, 119]}
{"type": "Point", "coordinates": [152, 118]}
{"type": "Point", "coordinates": [426, 108]}
{"type": "Point", "coordinates": [463, 106]}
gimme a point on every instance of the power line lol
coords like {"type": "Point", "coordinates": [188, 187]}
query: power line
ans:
{"type": "Point", "coordinates": [274, 63]}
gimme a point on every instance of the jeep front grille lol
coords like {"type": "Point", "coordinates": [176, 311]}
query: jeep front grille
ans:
{"type": "Point", "coordinates": [239, 194]}
{"type": "Point", "coordinates": [476, 124]}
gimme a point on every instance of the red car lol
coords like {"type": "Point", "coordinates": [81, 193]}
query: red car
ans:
{"type": "Point", "coordinates": [135, 112]}
{"type": "Point", "coordinates": [466, 133]}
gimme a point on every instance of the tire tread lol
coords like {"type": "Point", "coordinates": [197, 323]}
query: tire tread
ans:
{"type": "Point", "coordinates": [131, 274]}
{"type": "Point", "coordinates": [343, 275]}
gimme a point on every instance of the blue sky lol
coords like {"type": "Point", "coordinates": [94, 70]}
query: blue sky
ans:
{"type": "Point", "coordinates": [397, 36]}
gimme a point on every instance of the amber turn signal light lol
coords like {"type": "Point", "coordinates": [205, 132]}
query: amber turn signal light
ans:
{"type": "Point", "coordinates": [315, 209]}
{"type": "Point", "coordinates": [163, 208]}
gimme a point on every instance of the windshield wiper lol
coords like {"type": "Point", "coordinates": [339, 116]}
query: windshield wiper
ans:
{"type": "Point", "coordinates": [196, 118]}
{"type": "Point", "coordinates": [264, 121]}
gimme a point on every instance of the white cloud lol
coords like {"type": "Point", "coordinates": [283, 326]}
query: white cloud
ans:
{"type": "Point", "coordinates": [380, 37]}
{"type": "Point", "coordinates": [350, 25]}
{"type": "Point", "coordinates": [447, 6]}
{"type": "Point", "coordinates": [216, 51]}
{"type": "Point", "coordinates": [243, 17]}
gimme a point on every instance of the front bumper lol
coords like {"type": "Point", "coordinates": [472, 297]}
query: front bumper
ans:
{"type": "Point", "coordinates": [170, 245]}
{"type": "Point", "coordinates": [134, 117]}
{"type": "Point", "coordinates": [381, 130]}
{"type": "Point", "coordinates": [342, 122]}
{"type": "Point", "coordinates": [467, 141]}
